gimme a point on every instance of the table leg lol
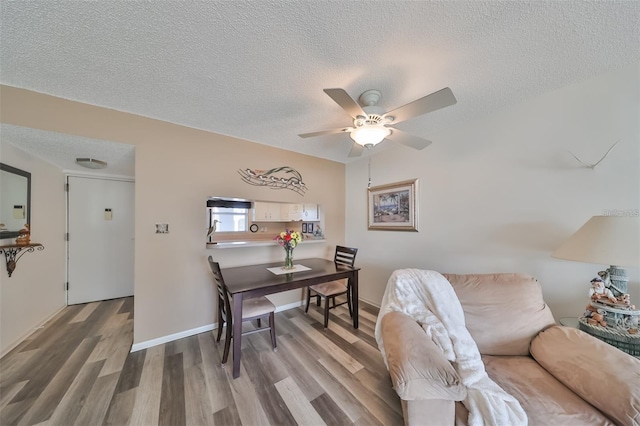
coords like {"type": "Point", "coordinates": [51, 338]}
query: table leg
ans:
{"type": "Point", "coordinates": [354, 298]}
{"type": "Point", "coordinates": [237, 334]}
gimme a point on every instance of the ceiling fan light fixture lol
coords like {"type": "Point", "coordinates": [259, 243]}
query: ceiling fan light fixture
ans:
{"type": "Point", "coordinates": [369, 136]}
{"type": "Point", "coordinates": [91, 163]}
{"type": "Point", "coordinates": [369, 119]}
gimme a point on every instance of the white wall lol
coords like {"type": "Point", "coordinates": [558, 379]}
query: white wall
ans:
{"type": "Point", "coordinates": [35, 290]}
{"type": "Point", "coordinates": [501, 193]}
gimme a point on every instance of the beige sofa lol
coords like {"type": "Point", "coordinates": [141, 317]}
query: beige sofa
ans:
{"type": "Point", "coordinates": [560, 375]}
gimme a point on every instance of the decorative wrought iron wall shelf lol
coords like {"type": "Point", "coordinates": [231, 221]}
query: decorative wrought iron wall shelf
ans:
{"type": "Point", "coordinates": [13, 252]}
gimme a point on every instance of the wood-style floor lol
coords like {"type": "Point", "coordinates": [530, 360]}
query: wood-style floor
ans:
{"type": "Point", "coordinates": [78, 370]}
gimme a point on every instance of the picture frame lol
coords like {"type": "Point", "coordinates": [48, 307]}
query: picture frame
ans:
{"type": "Point", "coordinates": [304, 227]}
{"type": "Point", "coordinates": [393, 207]}
{"type": "Point", "coordinates": [310, 228]}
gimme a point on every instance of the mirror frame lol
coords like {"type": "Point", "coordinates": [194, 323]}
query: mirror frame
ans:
{"type": "Point", "coordinates": [7, 168]}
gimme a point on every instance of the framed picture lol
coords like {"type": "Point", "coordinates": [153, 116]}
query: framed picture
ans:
{"type": "Point", "coordinates": [310, 228]}
{"type": "Point", "coordinates": [394, 207]}
{"type": "Point", "coordinates": [304, 227]}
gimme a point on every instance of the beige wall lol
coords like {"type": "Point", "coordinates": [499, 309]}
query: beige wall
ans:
{"type": "Point", "coordinates": [177, 168]}
{"type": "Point", "coordinates": [501, 193]}
{"type": "Point", "coordinates": [35, 290]}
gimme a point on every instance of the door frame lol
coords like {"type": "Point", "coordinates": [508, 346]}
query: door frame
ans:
{"type": "Point", "coordinates": [88, 175]}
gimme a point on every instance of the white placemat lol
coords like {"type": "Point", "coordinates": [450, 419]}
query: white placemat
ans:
{"type": "Point", "coordinates": [296, 268]}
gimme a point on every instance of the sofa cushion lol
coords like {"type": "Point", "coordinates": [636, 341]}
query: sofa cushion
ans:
{"type": "Point", "coordinates": [603, 375]}
{"type": "Point", "coordinates": [545, 400]}
{"type": "Point", "coordinates": [503, 312]}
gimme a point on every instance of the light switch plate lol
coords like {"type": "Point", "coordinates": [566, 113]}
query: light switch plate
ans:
{"type": "Point", "coordinates": [162, 228]}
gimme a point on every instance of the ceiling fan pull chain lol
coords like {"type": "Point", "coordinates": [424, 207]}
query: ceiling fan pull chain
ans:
{"type": "Point", "coordinates": [369, 184]}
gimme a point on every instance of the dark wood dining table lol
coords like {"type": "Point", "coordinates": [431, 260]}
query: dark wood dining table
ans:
{"type": "Point", "coordinates": [245, 282]}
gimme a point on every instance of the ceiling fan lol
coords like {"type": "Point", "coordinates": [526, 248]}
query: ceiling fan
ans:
{"type": "Point", "coordinates": [370, 122]}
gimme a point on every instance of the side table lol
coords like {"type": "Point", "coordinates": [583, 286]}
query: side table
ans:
{"type": "Point", "coordinates": [629, 343]}
{"type": "Point", "coordinates": [626, 342]}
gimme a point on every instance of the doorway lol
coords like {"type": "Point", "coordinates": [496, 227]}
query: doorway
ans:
{"type": "Point", "coordinates": [100, 247]}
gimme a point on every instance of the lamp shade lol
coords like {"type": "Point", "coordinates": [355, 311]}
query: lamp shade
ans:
{"type": "Point", "coordinates": [605, 240]}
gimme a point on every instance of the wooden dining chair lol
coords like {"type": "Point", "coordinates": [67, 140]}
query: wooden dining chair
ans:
{"type": "Point", "coordinates": [329, 291]}
{"type": "Point", "coordinates": [254, 308]}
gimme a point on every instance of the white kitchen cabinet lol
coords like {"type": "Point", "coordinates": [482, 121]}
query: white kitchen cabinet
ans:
{"type": "Point", "coordinates": [291, 212]}
{"type": "Point", "coordinates": [309, 212]}
{"type": "Point", "coordinates": [284, 212]}
{"type": "Point", "coordinates": [266, 212]}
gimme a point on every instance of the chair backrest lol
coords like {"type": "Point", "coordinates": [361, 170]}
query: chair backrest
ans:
{"type": "Point", "coordinates": [345, 256]}
{"type": "Point", "coordinates": [223, 296]}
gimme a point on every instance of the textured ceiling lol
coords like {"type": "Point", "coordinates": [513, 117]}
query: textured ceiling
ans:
{"type": "Point", "coordinates": [62, 150]}
{"type": "Point", "coordinates": [256, 70]}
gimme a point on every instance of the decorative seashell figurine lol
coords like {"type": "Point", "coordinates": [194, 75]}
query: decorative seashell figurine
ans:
{"type": "Point", "coordinates": [24, 236]}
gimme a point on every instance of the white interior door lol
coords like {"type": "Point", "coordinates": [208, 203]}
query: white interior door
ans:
{"type": "Point", "coordinates": [101, 245]}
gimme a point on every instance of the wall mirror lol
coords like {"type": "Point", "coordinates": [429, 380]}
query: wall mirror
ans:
{"type": "Point", "coordinates": [15, 200]}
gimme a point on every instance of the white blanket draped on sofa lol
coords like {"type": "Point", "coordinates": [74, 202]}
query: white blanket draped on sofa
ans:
{"type": "Point", "coordinates": [428, 298]}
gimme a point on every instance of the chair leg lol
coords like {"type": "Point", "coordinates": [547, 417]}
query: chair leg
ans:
{"type": "Point", "coordinates": [227, 343]}
{"type": "Point", "coordinates": [220, 325]}
{"type": "Point", "coordinates": [318, 300]}
{"type": "Point", "coordinates": [220, 320]}
{"type": "Point", "coordinates": [326, 312]}
{"type": "Point", "coordinates": [306, 309]}
{"type": "Point", "coordinates": [272, 325]}
{"type": "Point", "coordinates": [259, 325]}
{"type": "Point", "coordinates": [349, 302]}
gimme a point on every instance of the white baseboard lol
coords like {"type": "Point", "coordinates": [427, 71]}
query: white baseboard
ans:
{"type": "Point", "coordinates": [187, 333]}
{"type": "Point", "coordinates": [376, 304]}
{"type": "Point", "coordinates": [171, 337]}
{"type": "Point", "coordinates": [30, 332]}
{"type": "Point", "coordinates": [290, 306]}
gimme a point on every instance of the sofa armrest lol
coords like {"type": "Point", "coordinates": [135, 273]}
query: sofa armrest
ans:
{"type": "Point", "coordinates": [602, 375]}
{"type": "Point", "coordinates": [417, 366]}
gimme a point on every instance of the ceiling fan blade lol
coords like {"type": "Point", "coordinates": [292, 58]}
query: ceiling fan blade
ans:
{"type": "Point", "coordinates": [440, 99]}
{"type": "Point", "coordinates": [406, 139]}
{"type": "Point", "coordinates": [326, 132]}
{"type": "Point", "coordinates": [347, 103]}
{"type": "Point", "coordinates": [356, 150]}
